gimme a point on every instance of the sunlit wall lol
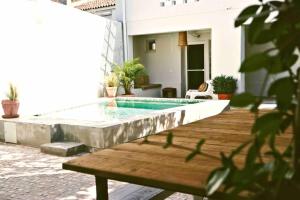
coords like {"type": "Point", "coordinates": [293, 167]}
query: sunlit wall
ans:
{"type": "Point", "coordinates": [56, 55]}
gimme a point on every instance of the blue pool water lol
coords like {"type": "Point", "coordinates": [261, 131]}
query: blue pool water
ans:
{"type": "Point", "coordinates": [118, 109]}
{"type": "Point", "coordinates": [152, 105]}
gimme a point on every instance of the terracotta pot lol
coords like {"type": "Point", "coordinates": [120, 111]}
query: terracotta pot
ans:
{"type": "Point", "coordinates": [111, 91]}
{"type": "Point", "coordinates": [10, 108]}
{"type": "Point", "coordinates": [224, 96]}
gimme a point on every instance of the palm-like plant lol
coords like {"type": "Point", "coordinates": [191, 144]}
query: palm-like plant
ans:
{"type": "Point", "coordinates": [128, 72]}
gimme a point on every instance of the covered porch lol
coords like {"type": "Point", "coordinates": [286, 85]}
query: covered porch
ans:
{"type": "Point", "coordinates": [180, 60]}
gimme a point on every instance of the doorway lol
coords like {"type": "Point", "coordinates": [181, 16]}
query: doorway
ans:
{"type": "Point", "coordinates": [197, 64]}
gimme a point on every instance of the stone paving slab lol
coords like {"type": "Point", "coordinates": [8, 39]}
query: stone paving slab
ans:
{"type": "Point", "coordinates": [28, 174]}
{"type": "Point", "coordinates": [63, 148]}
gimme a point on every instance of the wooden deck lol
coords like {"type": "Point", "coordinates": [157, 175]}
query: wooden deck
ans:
{"type": "Point", "coordinates": [149, 164]}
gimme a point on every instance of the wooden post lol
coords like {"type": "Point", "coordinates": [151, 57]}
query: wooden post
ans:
{"type": "Point", "coordinates": [297, 133]}
{"type": "Point", "coordinates": [101, 188]}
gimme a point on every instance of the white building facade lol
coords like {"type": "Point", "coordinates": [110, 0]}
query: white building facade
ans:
{"type": "Point", "coordinates": [214, 45]}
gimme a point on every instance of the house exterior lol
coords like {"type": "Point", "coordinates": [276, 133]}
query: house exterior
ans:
{"type": "Point", "coordinates": [61, 1]}
{"type": "Point", "coordinates": [103, 8]}
{"type": "Point", "coordinates": [214, 45]}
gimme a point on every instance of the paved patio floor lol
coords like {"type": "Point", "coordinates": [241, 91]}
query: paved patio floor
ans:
{"type": "Point", "coordinates": [28, 174]}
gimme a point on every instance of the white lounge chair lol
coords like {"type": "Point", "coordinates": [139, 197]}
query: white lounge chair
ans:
{"type": "Point", "coordinates": [193, 94]}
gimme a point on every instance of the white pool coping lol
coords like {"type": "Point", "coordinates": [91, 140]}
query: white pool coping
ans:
{"type": "Point", "coordinates": [106, 134]}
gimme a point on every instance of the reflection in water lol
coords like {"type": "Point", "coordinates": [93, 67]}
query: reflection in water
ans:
{"type": "Point", "coordinates": [112, 103]}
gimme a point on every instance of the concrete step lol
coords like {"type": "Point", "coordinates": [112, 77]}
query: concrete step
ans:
{"type": "Point", "coordinates": [63, 148]}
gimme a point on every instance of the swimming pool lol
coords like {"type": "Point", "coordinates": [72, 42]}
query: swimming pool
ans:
{"type": "Point", "coordinates": [110, 121]}
{"type": "Point", "coordinates": [117, 109]}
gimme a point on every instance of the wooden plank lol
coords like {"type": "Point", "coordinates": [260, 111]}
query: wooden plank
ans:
{"type": "Point", "coordinates": [150, 165]}
{"type": "Point", "coordinates": [140, 173]}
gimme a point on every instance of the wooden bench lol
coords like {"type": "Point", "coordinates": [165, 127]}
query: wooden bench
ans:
{"type": "Point", "coordinates": [148, 164]}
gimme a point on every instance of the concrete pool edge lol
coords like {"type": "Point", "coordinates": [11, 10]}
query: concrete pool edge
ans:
{"type": "Point", "coordinates": [33, 132]}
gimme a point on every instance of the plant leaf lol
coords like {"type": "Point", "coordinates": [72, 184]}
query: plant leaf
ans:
{"type": "Point", "coordinates": [286, 122]}
{"type": "Point", "coordinates": [264, 36]}
{"type": "Point", "coordinates": [216, 180]}
{"type": "Point", "coordinates": [258, 25]}
{"type": "Point", "coordinates": [255, 62]}
{"type": "Point", "coordinates": [242, 100]}
{"type": "Point", "coordinates": [246, 14]}
{"type": "Point", "coordinates": [239, 149]}
{"type": "Point", "coordinates": [268, 124]}
{"type": "Point", "coordinates": [251, 156]}
{"type": "Point", "coordinates": [283, 89]}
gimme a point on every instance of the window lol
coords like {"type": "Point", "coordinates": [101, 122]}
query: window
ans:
{"type": "Point", "coordinates": [151, 45]}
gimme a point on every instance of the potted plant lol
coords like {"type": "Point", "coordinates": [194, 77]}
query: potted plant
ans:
{"type": "Point", "coordinates": [112, 83]}
{"type": "Point", "coordinates": [128, 73]}
{"type": "Point", "coordinates": [11, 105]}
{"type": "Point", "coordinates": [224, 86]}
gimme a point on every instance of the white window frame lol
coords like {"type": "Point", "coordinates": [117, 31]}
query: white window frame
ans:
{"type": "Point", "coordinates": [206, 61]}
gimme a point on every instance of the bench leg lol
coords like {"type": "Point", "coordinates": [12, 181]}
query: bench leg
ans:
{"type": "Point", "coordinates": [101, 188]}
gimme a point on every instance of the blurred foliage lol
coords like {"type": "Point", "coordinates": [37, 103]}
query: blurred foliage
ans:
{"type": "Point", "coordinates": [276, 23]}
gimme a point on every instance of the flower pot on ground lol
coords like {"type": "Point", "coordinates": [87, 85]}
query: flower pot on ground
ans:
{"type": "Point", "coordinates": [224, 96]}
{"type": "Point", "coordinates": [224, 86]}
{"type": "Point", "coordinates": [127, 73]}
{"type": "Point", "coordinates": [11, 105]}
{"type": "Point", "coordinates": [112, 83]}
{"type": "Point", "coordinates": [111, 91]}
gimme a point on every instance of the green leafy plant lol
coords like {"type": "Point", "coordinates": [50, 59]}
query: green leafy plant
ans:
{"type": "Point", "coordinates": [112, 80]}
{"type": "Point", "coordinates": [224, 84]}
{"type": "Point", "coordinates": [278, 177]}
{"type": "Point", "coordinates": [142, 72]}
{"type": "Point", "coordinates": [12, 93]}
{"type": "Point", "coordinates": [128, 73]}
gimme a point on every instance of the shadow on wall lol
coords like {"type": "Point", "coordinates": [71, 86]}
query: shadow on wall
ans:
{"type": "Point", "coordinates": [140, 128]}
{"type": "Point", "coordinates": [112, 52]}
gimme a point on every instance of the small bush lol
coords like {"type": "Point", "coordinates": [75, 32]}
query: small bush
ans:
{"type": "Point", "coordinates": [224, 84]}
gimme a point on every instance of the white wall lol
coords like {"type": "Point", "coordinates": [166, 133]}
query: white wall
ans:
{"type": "Point", "coordinates": [56, 55]}
{"type": "Point", "coordinates": [163, 65]}
{"type": "Point", "coordinates": [147, 17]}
